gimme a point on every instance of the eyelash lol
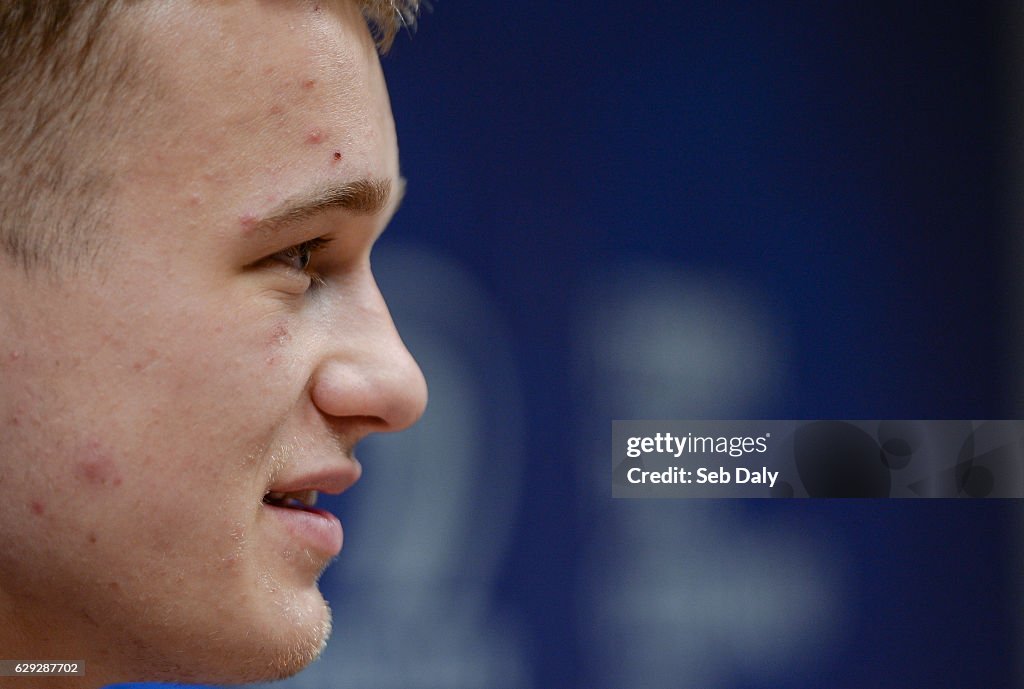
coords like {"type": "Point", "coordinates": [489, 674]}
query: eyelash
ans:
{"type": "Point", "coordinates": [304, 252]}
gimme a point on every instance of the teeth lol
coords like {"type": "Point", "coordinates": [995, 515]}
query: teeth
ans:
{"type": "Point", "coordinates": [305, 497]}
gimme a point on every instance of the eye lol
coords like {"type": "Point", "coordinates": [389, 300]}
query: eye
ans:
{"type": "Point", "coordinates": [298, 257]}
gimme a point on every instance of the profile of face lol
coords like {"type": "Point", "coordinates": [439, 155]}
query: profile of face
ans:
{"type": "Point", "coordinates": [228, 345]}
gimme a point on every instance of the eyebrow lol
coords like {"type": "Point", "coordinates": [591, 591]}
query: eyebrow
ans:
{"type": "Point", "coordinates": [362, 197]}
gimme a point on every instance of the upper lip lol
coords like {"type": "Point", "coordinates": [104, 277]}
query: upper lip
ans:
{"type": "Point", "coordinates": [331, 479]}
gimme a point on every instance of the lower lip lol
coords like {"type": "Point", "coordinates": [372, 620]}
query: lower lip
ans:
{"type": "Point", "coordinates": [316, 529]}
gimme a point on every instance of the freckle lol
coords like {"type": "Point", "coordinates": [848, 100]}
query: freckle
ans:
{"type": "Point", "coordinates": [308, 83]}
{"type": "Point", "coordinates": [276, 109]}
{"type": "Point", "coordinates": [114, 586]}
{"type": "Point", "coordinates": [15, 420]}
{"type": "Point", "coordinates": [315, 136]}
{"type": "Point", "coordinates": [92, 538]}
{"type": "Point", "coordinates": [38, 507]}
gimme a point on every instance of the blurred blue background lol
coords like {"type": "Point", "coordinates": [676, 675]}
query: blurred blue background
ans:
{"type": "Point", "coordinates": [687, 210]}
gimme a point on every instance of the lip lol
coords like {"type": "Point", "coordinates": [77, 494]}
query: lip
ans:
{"type": "Point", "coordinates": [316, 529]}
{"type": "Point", "coordinates": [313, 528]}
{"type": "Point", "coordinates": [331, 480]}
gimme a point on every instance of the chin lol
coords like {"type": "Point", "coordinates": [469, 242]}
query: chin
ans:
{"type": "Point", "coordinates": [264, 650]}
{"type": "Point", "coordinates": [299, 637]}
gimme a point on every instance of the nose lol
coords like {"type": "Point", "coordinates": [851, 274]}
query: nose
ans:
{"type": "Point", "coordinates": [366, 370]}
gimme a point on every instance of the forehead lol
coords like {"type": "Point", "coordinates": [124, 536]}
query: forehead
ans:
{"type": "Point", "coordinates": [268, 96]}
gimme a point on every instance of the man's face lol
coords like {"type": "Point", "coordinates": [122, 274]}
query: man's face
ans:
{"type": "Point", "coordinates": [148, 404]}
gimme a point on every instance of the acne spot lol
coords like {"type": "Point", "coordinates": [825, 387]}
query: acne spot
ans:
{"type": "Point", "coordinates": [279, 336]}
{"type": "Point", "coordinates": [96, 467]}
{"type": "Point", "coordinates": [308, 83]}
{"type": "Point", "coordinates": [194, 200]}
{"type": "Point", "coordinates": [337, 156]}
{"type": "Point", "coordinates": [114, 586]}
{"type": "Point", "coordinates": [152, 355]}
{"type": "Point", "coordinates": [247, 221]}
{"type": "Point", "coordinates": [14, 355]}
{"type": "Point", "coordinates": [15, 420]}
{"type": "Point", "coordinates": [315, 136]}
{"type": "Point", "coordinates": [276, 109]}
{"type": "Point", "coordinates": [98, 471]}
{"type": "Point", "coordinates": [316, 7]}
{"type": "Point", "coordinates": [38, 508]}
{"type": "Point", "coordinates": [92, 537]}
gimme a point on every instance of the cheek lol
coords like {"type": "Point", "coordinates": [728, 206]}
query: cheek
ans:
{"type": "Point", "coordinates": [276, 345]}
{"type": "Point", "coordinates": [149, 458]}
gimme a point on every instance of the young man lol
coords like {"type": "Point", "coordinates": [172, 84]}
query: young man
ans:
{"type": "Point", "coordinates": [191, 341]}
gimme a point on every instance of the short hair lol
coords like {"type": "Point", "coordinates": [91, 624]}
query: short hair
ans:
{"type": "Point", "coordinates": [386, 17]}
{"type": "Point", "coordinates": [64, 67]}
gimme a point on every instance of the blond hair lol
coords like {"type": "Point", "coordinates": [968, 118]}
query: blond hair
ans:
{"type": "Point", "coordinates": [386, 17]}
{"type": "Point", "coordinates": [64, 69]}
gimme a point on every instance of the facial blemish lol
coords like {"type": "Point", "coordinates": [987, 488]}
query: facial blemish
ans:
{"type": "Point", "coordinates": [38, 508]}
{"type": "Point", "coordinates": [315, 136]}
{"type": "Point", "coordinates": [96, 468]}
{"type": "Point", "coordinates": [92, 537]}
{"type": "Point", "coordinates": [337, 156]}
{"type": "Point", "coordinates": [151, 358]}
{"type": "Point", "coordinates": [13, 356]}
{"type": "Point", "coordinates": [97, 472]}
{"type": "Point", "coordinates": [194, 200]}
{"type": "Point", "coordinates": [279, 336]}
{"type": "Point", "coordinates": [308, 83]}
{"type": "Point", "coordinates": [247, 221]}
